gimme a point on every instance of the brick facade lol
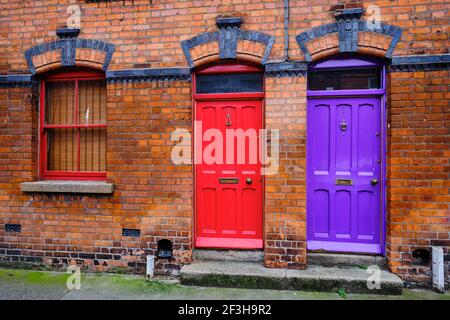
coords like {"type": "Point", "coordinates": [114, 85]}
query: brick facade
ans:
{"type": "Point", "coordinates": [150, 194]}
{"type": "Point", "coordinates": [418, 163]}
{"type": "Point", "coordinates": [142, 47]}
{"type": "Point", "coordinates": [285, 193]}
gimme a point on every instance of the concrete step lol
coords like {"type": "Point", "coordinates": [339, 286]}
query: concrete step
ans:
{"type": "Point", "coordinates": [228, 255]}
{"type": "Point", "coordinates": [254, 275]}
{"type": "Point", "coordinates": [346, 260]}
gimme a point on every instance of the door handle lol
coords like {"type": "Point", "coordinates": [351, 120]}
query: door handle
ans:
{"type": "Point", "coordinates": [374, 182]}
{"type": "Point", "coordinates": [248, 181]}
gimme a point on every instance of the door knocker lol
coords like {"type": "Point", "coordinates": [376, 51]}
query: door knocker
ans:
{"type": "Point", "coordinates": [228, 121]}
{"type": "Point", "coordinates": [343, 125]}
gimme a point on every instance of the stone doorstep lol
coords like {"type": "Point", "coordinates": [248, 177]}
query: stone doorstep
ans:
{"type": "Point", "coordinates": [228, 255]}
{"type": "Point", "coordinates": [253, 275]}
{"type": "Point", "coordinates": [62, 186]}
{"type": "Point", "coordinates": [345, 260]}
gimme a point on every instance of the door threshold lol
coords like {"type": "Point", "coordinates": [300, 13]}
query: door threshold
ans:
{"type": "Point", "coordinates": [345, 260]}
{"type": "Point", "coordinates": [363, 254]}
{"type": "Point", "coordinates": [228, 243]}
{"type": "Point", "coordinates": [228, 255]}
{"type": "Point", "coordinates": [344, 247]}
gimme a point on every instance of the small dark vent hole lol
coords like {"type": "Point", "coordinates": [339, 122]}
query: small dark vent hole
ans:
{"type": "Point", "coordinates": [13, 227]}
{"type": "Point", "coordinates": [165, 250]}
{"type": "Point", "coordinates": [421, 257]}
{"type": "Point", "coordinates": [131, 232]}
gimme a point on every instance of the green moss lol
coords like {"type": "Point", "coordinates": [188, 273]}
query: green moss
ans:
{"type": "Point", "coordinates": [362, 266]}
{"type": "Point", "coordinates": [25, 266]}
{"type": "Point", "coordinates": [416, 294]}
{"type": "Point", "coordinates": [249, 282]}
{"type": "Point", "coordinates": [117, 270]}
{"type": "Point", "coordinates": [33, 277]}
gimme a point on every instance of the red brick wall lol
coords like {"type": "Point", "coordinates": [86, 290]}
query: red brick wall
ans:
{"type": "Point", "coordinates": [149, 33]}
{"type": "Point", "coordinates": [18, 161]}
{"type": "Point", "coordinates": [150, 194]}
{"type": "Point", "coordinates": [285, 192]}
{"type": "Point", "coordinates": [418, 168]}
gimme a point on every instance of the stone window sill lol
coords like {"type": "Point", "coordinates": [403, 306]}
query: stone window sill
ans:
{"type": "Point", "coordinates": [62, 186]}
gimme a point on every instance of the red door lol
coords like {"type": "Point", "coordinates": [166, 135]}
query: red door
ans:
{"type": "Point", "coordinates": [228, 175]}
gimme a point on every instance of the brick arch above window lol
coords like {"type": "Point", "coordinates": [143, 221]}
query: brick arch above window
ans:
{"type": "Point", "coordinates": [69, 51]}
{"type": "Point", "coordinates": [230, 42]}
{"type": "Point", "coordinates": [349, 34]}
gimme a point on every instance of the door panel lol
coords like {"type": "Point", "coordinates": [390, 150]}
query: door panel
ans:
{"type": "Point", "coordinates": [209, 203]}
{"type": "Point", "coordinates": [321, 136]}
{"type": "Point", "coordinates": [322, 218]}
{"type": "Point", "coordinates": [344, 156]}
{"type": "Point", "coordinates": [343, 205]}
{"type": "Point", "coordinates": [250, 213]}
{"type": "Point", "coordinates": [343, 159]}
{"type": "Point", "coordinates": [229, 210]}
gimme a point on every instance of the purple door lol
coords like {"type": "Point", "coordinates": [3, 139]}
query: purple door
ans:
{"type": "Point", "coordinates": [344, 174]}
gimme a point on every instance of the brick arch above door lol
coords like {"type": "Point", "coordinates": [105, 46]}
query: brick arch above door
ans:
{"type": "Point", "coordinates": [69, 51]}
{"type": "Point", "coordinates": [230, 42]}
{"type": "Point", "coordinates": [349, 34]}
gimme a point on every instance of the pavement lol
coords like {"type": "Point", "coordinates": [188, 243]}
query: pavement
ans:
{"type": "Point", "coordinates": [44, 285]}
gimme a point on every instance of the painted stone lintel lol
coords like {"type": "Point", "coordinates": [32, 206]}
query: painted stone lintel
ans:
{"type": "Point", "coordinates": [347, 22]}
{"type": "Point", "coordinates": [353, 13]}
{"type": "Point", "coordinates": [348, 25]}
{"type": "Point", "coordinates": [227, 36]}
{"type": "Point", "coordinates": [17, 81]}
{"type": "Point", "coordinates": [420, 63]}
{"type": "Point", "coordinates": [224, 22]}
{"type": "Point", "coordinates": [148, 75]}
{"type": "Point", "coordinates": [68, 48]}
{"type": "Point", "coordinates": [272, 69]}
{"type": "Point", "coordinates": [286, 69]}
{"type": "Point", "coordinates": [67, 33]}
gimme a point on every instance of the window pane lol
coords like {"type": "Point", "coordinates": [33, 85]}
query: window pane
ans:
{"type": "Point", "coordinates": [92, 149]}
{"type": "Point", "coordinates": [76, 149]}
{"type": "Point", "coordinates": [92, 102]}
{"type": "Point", "coordinates": [61, 149]}
{"type": "Point", "coordinates": [227, 83]}
{"type": "Point", "coordinates": [60, 102]}
{"type": "Point", "coordinates": [344, 79]}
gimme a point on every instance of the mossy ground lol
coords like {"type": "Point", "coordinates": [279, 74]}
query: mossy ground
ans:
{"type": "Point", "coordinates": [29, 284]}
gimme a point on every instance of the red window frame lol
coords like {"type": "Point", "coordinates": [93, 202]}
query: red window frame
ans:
{"type": "Point", "coordinates": [45, 174]}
